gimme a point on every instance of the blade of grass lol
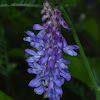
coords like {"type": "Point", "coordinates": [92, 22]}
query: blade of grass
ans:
{"type": "Point", "coordinates": [21, 5]}
{"type": "Point", "coordinates": [87, 66]}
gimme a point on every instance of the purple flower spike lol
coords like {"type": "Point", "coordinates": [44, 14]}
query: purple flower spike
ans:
{"type": "Point", "coordinates": [46, 60]}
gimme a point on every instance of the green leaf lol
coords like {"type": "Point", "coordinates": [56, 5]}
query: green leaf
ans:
{"type": "Point", "coordinates": [4, 96]}
{"type": "Point", "coordinates": [95, 65]}
{"type": "Point", "coordinates": [77, 69]}
{"type": "Point", "coordinates": [79, 89]}
{"type": "Point", "coordinates": [92, 29]}
{"type": "Point", "coordinates": [11, 67]}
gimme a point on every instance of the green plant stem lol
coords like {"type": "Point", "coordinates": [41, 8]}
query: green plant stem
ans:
{"type": "Point", "coordinates": [20, 5]}
{"type": "Point", "coordinates": [82, 53]}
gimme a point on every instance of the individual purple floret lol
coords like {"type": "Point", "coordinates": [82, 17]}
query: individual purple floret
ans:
{"type": "Point", "coordinates": [47, 60]}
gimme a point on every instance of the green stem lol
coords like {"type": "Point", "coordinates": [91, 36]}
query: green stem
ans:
{"type": "Point", "coordinates": [20, 5]}
{"type": "Point", "coordinates": [82, 53]}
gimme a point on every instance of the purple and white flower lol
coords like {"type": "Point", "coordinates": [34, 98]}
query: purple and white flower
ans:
{"type": "Point", "coordinates": [47, 60]}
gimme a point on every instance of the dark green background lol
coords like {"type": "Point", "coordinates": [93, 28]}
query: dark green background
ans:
{"type": "Point", "coordinates": [14, 78]}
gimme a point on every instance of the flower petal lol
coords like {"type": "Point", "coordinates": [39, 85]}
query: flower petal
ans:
{"type": "Point", "coordinates": [28, 39]}
{"type": "Point", "coordinates": [38, 46]}
{"type": "Point", "coordinates": [40, 52]}
{"type": "Point", "coordinates": [29, 33]}
{"type": "Point", "coordinates": [31, 52]}
{"type": "Point", "coordinates": [30, 59]}
{"type": "Point", "coordinates": [37, 27]}
{"type": "Point", "coordinates": [72, 47]}
{"type": "Point", "coordinates": [39, 90]}
{"type": "Point", "coordinates": [41, 42]}
{"type": "Point", "coordinates": [41, 34]}
{"type": "Point", "coordinates": [58, 81]}
{"type": "Point", "coordinates": [42, 11]}
{"type": "Point", "coordinates": [36, 65]}
{"type": "Point", "coordinates": [36, 58]}
{"type": "Point", "coordinates": [34, 71]}
{"type": "Point", "coordinates": [51, 85]}
{"type": "Point", "coordinates": [64, 61]}
{"type": "Point", "coordinates": [70, 52]}
{"type": "Point", "coordinates": [35, 82]}
{"type": "Point", "coordinates": [58, 90]}
{"type": "Point", "coordinates": [58, 98]}
{"type": "Point", "coordinates": [57, 12]}
{"type": "Point", "coordinates": [56, 72]}
{"type": "Point", "coordinates": [64, 42]}
{"type": "Point", "coordinates": [68, 77]}
{"type": "Point", "coordinates": [65, 74]}
{"type": "Point", "coordinates": [51, 94]}
{"type": "Point", "coordinates": [43, 59]}
{"type": "Point", "coordinates": [62, 65]}
{"type": "Point", "coordinates": [64, 24]}
{"type": "Point", "coordinates": [44, 17]}
{"type": "Point", "coordinates": [50, 64]}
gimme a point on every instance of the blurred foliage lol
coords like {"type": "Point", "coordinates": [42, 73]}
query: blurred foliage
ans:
{"type": "Point", "coordinates": [92, 28]}
{"type": "Point", "coordinates": [3, 96]}
{"type": "Point", "coordinates": [77, 69]}
{"type": "Point", "coordinates": [13, 68]}
{"type": "Point", "coordinates": [9, 2]}
{"type": "Point", "coordinates": [79, 89]}
{"type": "Point", "coordinates": [69, 2]}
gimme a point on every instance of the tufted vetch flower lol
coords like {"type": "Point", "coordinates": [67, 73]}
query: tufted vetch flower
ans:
{"type": "Point", "coordinates": [47, 60]}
